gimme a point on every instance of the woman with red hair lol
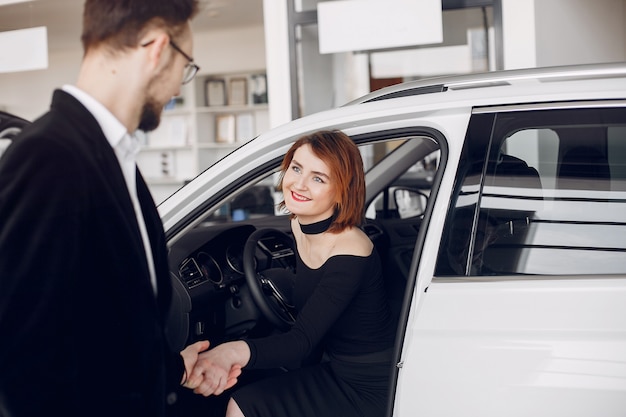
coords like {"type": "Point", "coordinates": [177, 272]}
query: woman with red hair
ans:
{"type": "Point", "coordinates": [338, 292]}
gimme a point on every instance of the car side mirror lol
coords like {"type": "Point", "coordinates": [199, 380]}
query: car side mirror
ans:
{"type": "Point", "coordinates": [410, 203]}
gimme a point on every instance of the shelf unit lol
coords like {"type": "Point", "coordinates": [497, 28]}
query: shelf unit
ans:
{"type": "Point", "coordinates": [214, 114]}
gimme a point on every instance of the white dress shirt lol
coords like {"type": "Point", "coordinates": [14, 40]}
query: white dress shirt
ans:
{"type": "Point", "coordinates": [126, 147]}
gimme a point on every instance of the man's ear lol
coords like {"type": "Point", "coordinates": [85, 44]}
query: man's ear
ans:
{"type": "Point", "coordinates": [156, 42]}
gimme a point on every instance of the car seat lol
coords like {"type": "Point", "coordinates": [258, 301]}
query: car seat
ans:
{"type": "Point", "coordinates": [584, 167]}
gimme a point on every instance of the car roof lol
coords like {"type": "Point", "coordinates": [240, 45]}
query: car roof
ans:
{"type": "Point", "coordinates": [481, 82]}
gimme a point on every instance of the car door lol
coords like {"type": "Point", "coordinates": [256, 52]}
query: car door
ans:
{"type": "Point", "coordinates": [519, 306]}
{"type": "Point", "coordinates": [399, 190]}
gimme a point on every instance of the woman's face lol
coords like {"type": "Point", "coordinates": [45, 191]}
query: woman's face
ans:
{"type": "Point", "coordinates": [308, 187]}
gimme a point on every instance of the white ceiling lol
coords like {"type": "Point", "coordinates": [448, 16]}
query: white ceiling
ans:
{"type": "Point", "coordinates": [64, 17]}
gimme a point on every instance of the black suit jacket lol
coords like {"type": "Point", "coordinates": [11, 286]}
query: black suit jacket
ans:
{"type": "Point", "coordinates": [81, 331]}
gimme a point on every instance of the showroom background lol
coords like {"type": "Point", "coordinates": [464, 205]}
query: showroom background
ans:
{"type": "Point", "coordinates": [280, 40]}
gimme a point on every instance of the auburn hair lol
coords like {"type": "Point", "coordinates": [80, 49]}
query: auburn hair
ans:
{"type": "Point", "coordinates": [344, 160]}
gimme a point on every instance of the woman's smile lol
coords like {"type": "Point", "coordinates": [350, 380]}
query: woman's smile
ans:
{"type": "Point", "coordinates": [299, 197]}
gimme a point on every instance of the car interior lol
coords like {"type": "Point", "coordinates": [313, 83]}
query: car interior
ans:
{"type": "Point", "coordinates": [229, 271]}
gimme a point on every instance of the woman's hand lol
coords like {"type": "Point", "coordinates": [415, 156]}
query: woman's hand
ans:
{"type": "Point", "coordinates": [217, 370]}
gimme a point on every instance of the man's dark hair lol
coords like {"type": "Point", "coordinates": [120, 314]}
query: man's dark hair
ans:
{"type": "Point", "coordinates": [120, 23]}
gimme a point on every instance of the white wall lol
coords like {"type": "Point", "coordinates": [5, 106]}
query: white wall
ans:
{"type": "Point", "coordinates": [538, 33]}
{"type": "Point", "coordinates": [28, 94]}
{"type": "Point", "coordinates": [518, 34]}
{"type": "Point", "coordinates": [580, 31]}
{"type": "Point", "coordinates": [235, 50]}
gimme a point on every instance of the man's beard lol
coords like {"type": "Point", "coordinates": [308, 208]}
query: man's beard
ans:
{"type": "Point", "coordinates": [150, 116]}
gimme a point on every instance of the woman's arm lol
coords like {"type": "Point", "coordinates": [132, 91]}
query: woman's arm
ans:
{"type": "Point", "coordinates": [324, 307]}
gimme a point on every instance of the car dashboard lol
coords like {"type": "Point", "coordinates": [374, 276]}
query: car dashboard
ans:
{"type": "Point", "coordinates": [212, 300]}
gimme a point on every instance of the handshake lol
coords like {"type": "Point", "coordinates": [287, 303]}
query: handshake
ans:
{"type": "Point", "coordinates": [211, 372]}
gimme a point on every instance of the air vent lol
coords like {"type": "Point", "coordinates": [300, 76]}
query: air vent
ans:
{"type": "Point", "coordinates": [190, 273]}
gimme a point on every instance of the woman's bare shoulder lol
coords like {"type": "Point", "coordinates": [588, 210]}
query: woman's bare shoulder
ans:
{"type": "Point", "coordinates": [353, 242]}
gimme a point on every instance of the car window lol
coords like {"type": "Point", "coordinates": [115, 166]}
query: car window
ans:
{"type": "Point", "coordinates": [260, 198]}
{"type": "Point", "coordinates": [407, 196]}
{"type": "Point", "coordinates": [550, 197]}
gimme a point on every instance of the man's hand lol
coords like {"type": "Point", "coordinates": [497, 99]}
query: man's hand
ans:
{"type": "Point", "coordinates": [190, 356]}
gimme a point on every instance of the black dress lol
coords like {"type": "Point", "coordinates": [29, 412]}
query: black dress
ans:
{"type": "Point", "coordinates": [343, 310]}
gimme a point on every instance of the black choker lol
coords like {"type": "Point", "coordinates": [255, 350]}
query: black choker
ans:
{"type": "Point", "coordinates": [317, 227]}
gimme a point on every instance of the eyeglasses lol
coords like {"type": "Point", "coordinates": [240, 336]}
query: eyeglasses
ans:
{"type": "Point", "coordinates": [191, 69]}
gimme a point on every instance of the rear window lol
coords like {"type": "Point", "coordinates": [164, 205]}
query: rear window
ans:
{"type": "Point", "coordinates": [540, 192]}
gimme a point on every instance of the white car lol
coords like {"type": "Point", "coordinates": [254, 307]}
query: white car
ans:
{"type": "Point", "coordinates": [498, 204]}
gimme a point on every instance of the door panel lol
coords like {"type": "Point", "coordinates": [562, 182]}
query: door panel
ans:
{"type": "Point", "coordinates": [553, 347]}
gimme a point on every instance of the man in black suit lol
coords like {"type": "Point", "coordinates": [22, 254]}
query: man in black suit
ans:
{"type": "Point", "coordinates": [84, 283]}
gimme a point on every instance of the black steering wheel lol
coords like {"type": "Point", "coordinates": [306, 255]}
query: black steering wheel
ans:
{"type": "Point", "coordinates": [269, 267]}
